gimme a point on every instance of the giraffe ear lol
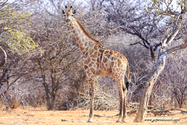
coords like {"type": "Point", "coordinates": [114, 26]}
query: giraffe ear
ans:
{"type": "Point", "coordinates": [66, 8]}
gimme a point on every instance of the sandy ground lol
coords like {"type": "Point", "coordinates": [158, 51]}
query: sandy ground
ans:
{"type": "Point", "coordinates": [36, 116]}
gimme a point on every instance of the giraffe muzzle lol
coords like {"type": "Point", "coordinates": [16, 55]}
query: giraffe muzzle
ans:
{"type": "Point", "coordinates": [67, 20]}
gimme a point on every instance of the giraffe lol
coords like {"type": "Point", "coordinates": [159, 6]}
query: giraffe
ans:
{"type": "Point", "coordinates": [99, 61]}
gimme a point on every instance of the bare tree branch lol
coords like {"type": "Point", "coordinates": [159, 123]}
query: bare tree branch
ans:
{"type": "Point", "coordinates": [183, 46]}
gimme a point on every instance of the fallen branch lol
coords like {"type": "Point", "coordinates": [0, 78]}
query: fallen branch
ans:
{"type": "Point", "coordinates": [160, 112]}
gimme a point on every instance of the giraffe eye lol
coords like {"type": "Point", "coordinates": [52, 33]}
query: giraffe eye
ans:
{"type": "Point", "coordinates": [63, 12]}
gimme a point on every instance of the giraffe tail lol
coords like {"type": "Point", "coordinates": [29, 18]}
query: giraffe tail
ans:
{"type": "Point", "coordinates": [127, 76]}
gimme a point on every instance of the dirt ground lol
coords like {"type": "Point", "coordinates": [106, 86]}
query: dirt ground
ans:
{"type": "Point", "coordinates": [39, 116]}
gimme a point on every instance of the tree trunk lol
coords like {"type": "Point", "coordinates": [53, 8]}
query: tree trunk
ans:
{"type": "Point", "coordinates": [53, 100]}
{"type": "Point", "coordinates": [148, 88]}
{"type": "Point", "coordinates": [47, 91]}
{"type": "Point", "coordinates": [48, 102]}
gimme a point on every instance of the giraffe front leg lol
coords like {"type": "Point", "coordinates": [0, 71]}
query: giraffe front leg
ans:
{"type": "Point", "coordinates": [124, 103]}
{"type": "Point", "coordinates": [91, 93]}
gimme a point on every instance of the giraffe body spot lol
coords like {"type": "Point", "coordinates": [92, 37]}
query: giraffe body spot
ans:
{"type": "Point", "coordinates": [81, 44]}
{"type": "Point", "coordinates": [94, 59]}
{"type": "Point", "coordinates": [87, 61]}
{"type": "Point", "coordinates": [86, 48]}
{"type": "Point", "coordinates": [111, 52]}
{"type": "Point", "coordinates": [94, 55]}
{"type": "Point", "coordinates": [112, 64]}
{"type": "Point", "coordinates": [97, 65]}
{"type": "Point", "coordinates": [96, 47]}
{"type": "Point", "coordinates": [86, 44]}
{"type": "Point", "coordinates": [98, 60]}
{"type": "Point", "coordinates": [105, 60]}
{"type": "Point", "coordinates": [115, 59]}
{"type": "Point", "coordinates": [90, 50]}
{"type": "Point", "coordinates": [116, 54]}
{"type": "Point", "coordinates": [86, 54]}
{"type": "Point", "coordinates": [92, 69]}
{"type": "Point", "coordinates": [119, 62]}
{"type": "Point", "coordinates": [101, 50]}
{"type": "Point", "coordinates": [85, 67]}
{"type": "Point", "coordinates": [90, 65]}
{"type": "Point", "coordinates": [107, 55]}
{"type": "Point", "coordinates": [82, 49]}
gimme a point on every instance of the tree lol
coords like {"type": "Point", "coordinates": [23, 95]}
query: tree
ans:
{"type": "Point", "coordinates": [163, 51]}
{"type": "Point", "coordinates": [172, 82]}
{"type": "Point", "coordinates": [57, 59]}
{"type": "Point", "coordinates": [14, 36]}
{"type": "Point", "coordinates": [13, 31]}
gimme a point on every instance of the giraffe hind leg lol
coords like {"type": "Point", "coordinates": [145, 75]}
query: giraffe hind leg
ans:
{"type": "Point", "coordinates": [119, 78]}
{"type": "Point", "coordinates": [121, 95]}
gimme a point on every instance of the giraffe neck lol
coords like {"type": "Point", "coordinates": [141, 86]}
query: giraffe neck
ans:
{"type": "Point", "coordinates": [84, 40]}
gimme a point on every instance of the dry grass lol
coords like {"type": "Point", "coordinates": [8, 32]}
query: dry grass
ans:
{"type": "Point", "coordinates": [40, 116]}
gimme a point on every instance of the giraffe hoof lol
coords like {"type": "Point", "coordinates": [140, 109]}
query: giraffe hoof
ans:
{"type": "Point", "coordinates": [118, 121]}
{"type": "Point", "coordinates": [89, 121]}
{"type": "Point", "coordinates": [123, 120]}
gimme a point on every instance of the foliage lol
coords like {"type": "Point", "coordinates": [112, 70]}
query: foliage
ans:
{"type": "Point", "coordinates": [13, 28]}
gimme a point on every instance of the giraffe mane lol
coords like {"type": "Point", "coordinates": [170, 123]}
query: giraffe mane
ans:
{"type": "Point", "coordinates": [86, 33]}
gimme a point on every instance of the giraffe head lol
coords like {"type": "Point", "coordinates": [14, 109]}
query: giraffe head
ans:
{"type": "Point", "coordinates": [68, 13]}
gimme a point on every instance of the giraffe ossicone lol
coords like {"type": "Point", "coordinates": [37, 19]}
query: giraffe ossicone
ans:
{"type": "Point", "coordinates": [99, 61]}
